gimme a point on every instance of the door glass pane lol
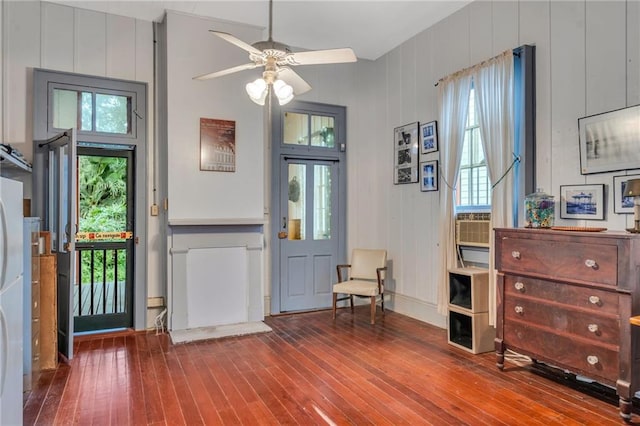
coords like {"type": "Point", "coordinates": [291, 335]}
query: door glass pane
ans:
{"type": "Point", "coordinates": [102, 198]}
{"type": "Point", "coordinates": [322, 131]}
{"type": "Point", "coordinates": [296, 129]}
{"type": "Point", "coordinates": [321, 202]}
{"type": "Point", "coordinates": [297, 196]}
{"type": "Point", "coordinates": [112, 113]}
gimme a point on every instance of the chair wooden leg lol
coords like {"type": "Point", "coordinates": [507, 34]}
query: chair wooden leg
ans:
{"type": "Point", "coordinates": [382, 302]}
{"type": "Point", "coordinates": [335, 300]}
{"type": "Point", "coordinates": [373, 310]}
{"type": "Point", "coordinates": [351, 300]}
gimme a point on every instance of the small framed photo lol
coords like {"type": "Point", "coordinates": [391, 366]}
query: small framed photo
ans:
{"type": "Point", "coordinates": [622, 205]}
{"type": "Point", "coordinates": [582, 202]}
{"type": "Point", "coordinates": [429, 137]}
{"type": "Point", "coordinates": [429, 176]}
{"type": "Point", "coordinates": [405, 153]}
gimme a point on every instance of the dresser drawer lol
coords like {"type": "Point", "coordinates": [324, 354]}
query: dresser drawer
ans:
{"type": "Point", "coordinates": [581, 297]}
{"type": "Point", "coordinates": [592, 360]}
{"type": "Point", "coordinates": [560, 259]}
{"type": "Point", "coordinates": [571, 321]}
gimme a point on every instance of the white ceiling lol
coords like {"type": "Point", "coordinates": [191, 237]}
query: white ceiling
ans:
{"type": "Point", "coordinates": [370, 27]}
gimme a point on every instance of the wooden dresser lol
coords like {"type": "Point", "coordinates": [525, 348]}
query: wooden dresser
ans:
{"type": "Point", "coordinates": [565, 299]}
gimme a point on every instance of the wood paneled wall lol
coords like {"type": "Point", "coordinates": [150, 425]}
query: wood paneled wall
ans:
{"type": "Point", "coordinates": [587, 62]}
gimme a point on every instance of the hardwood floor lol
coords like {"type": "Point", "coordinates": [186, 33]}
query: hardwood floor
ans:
{"type": "Point", "coordinates": [309, 370]}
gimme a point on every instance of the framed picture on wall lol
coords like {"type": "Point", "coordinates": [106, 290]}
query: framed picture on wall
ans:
{"type": "Point", "coordinates": [405, 153]}
{"type": "Point", "coordinates": [621, 204]}
{"type": "Point", "coordinates": [582, 202]}
{"type": "Point", "coordinates": [609, 141]}
{"type": "Point", "coordinates": [217, 145]}
{"type": "Point", "coordinates": [429, 176]}
{"type": "Point", "coordinates": [429, 137]}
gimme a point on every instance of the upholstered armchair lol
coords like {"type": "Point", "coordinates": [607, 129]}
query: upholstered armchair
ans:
{"type": "Point", "coordinates": [364, 278]}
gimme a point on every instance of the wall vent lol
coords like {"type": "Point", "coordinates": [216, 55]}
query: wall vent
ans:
{"type": "Point", "coordinates": [473, 229]}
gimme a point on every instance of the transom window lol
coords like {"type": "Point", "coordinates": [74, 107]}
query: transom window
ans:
{"type": "Point", "coordinates": [310, 130]}
{"type": "Point", "coordinates": [92, 111]}
{"type": "Point", "coordinates": [474, 188]}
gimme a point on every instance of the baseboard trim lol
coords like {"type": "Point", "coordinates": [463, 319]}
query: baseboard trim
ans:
{"type": "Point", "coordinates": [415, 308]}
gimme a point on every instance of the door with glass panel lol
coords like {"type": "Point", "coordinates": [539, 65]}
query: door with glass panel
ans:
{"type": "Point", "coordinates": [108, 117]}
{"type": "Point", "coordinates": [310, 203]}
{"type": "Point", "coordinates": [103, 291]}
{"type": "Point", "coordinates": [308, 246]}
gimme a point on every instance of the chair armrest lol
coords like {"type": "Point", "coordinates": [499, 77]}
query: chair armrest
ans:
{"type": "Point", "coordinates": [339, 269]}
{"type": "Point", "coordinates": [379, 272]}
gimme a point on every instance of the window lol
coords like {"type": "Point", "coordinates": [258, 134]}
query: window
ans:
{"type": "Point", "coordinates": [92, 111]}
{"type": "Point", "coordinates": [296, 130]}
{"type": "Point", "coordinates": [474, 188]}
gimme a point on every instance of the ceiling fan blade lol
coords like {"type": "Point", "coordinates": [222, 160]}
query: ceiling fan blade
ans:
{"type": "Point", "coordinates": [236, 41]}
{"type": "Point", "coordinates": [225, 71]}
{"type": "Point", "coordinates": [294, 80]}
{"type": "Point", "coordinates": [331, 56]}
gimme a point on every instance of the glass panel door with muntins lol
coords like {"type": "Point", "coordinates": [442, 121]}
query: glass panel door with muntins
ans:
{"type": "Point", "coordinates": [308, 244]}
{"type": "Point", "coordinates": [103, 291]}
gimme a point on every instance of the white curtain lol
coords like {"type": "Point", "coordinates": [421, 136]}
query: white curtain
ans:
{"type": "Point", "coordinates": [493, 84]}
{"type": "Point", "coordinates": [453, 103]}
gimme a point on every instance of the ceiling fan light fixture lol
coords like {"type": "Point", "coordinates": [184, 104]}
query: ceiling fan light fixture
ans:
{"type": "Point", "coordinates": [283, 92]}
{"type": "Point", "coordinates": [257, 90]}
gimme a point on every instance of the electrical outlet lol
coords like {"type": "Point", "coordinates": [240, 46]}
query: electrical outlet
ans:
{"type": "Point", "coordinates": [154, 210]}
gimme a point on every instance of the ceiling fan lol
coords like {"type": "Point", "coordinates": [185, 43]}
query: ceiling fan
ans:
{"type": "Point", "coordinates": [277, 60]}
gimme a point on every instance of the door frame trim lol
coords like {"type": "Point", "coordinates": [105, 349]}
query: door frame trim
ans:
{"type": "Point", "coordinates": [278, 151]}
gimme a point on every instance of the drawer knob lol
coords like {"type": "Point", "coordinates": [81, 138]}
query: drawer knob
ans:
{"type": "Point", "coordinates": [519, 309]}
{"type": "Point", "coordinates": [595, 300]}
{"type": "Point", "coordinates": [592, 359]}
{"type": "Point", "coordinates": [593, 328]}
{"type": "Point", "coordinates": [515, 254]}
{"type": "Point", "coordinates": [519, 286]}
{"type": "Point", "coordinates": [590, 263]}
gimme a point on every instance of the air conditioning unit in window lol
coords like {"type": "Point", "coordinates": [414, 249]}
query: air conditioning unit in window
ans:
{"type": "Point", "coordinates": [473, 229]}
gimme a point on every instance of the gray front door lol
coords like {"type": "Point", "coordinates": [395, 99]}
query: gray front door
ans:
{"type": "Point", "coordinates": [308, 238]}
{"type": "Point", "coordinates": [308, 226]}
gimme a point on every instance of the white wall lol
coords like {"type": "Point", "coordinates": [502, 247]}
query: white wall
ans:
{"type": "Point", "coordinates": [45, 35]}
{"type": "Point", "coordinates": [587, 56]}
{"type": "Point", "coordinates": [192, 51]}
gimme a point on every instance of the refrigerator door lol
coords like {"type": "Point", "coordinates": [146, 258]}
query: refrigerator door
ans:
{"type": "Point", "coordinates": [11, 354]}
{"type": "Point", "coordinates": [10, 231]}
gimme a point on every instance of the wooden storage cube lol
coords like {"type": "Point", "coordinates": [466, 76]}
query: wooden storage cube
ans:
{"type": "Point", "coordinates": [470, 332]}
{"type": "Point", "coordinates": [469, 289]}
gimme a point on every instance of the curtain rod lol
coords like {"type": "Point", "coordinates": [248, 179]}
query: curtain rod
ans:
{"type": "Point", "coordinates": [462, 71]}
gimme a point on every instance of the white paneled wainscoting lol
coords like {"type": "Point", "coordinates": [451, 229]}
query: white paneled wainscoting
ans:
{"type": "Point", "coordinates": [216, 274]}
